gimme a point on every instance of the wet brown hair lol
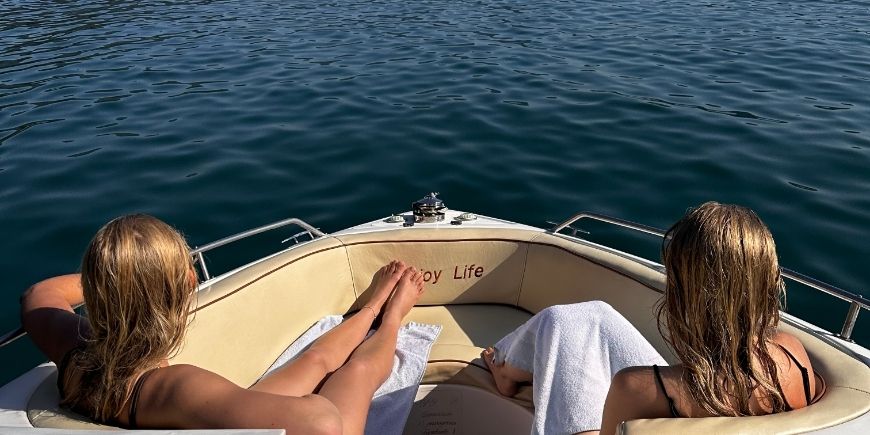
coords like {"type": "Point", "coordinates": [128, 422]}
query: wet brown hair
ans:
{"type": "Point", "coordinates": [721, 307]}
{"type": "Point", "coordinates": [138, 284]}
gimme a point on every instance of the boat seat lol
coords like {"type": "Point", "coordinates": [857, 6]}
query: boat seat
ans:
{"type": "Point", "coordinates": [491, 283]}
{"type": "Point", "coordinates": [847, 397]}
{"type": "Point", "coordinates": [43, 409]}
{"type": "Point", "coordinates": [466, 331]}
{"type": "Point", "coordinates": [454, 359]}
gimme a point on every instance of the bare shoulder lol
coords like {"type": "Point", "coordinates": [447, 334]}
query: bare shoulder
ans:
{"type": "Point", "coordinates": [633, 394]}
{"type": "Point", "coordinates": [790, 342]}
{"type": "Point", "coordinates": [793, 346]}
{"type": "Point", "coordinates": [638, 383]}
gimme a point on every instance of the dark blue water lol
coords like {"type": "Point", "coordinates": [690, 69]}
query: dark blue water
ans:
{"type": "Point", "coordinates": [221, 115]}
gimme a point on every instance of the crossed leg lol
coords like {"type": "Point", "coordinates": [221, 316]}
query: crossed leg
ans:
{"type": "Point", "coordinates": [329, 352]}
{"type": "Point", "coordinates": [351, 388]}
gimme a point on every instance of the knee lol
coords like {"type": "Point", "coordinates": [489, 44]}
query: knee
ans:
{"type": "Point", "coordinates": [552, 315]}
{"type": "Point", "coordinates": [363, 368]}
{"type": "Point", "coordinates": [558, 314]}
{"type": "Point", "coordinates": [324, 419]}
{"type": "Point", "coordinates": [593, 311]}
{"type": "Point", "coordinates": [600, 308]}
{"type": "Point", "coordinates": [358, 367]}
{"type": "Point", "coordinates": [329, 426]}
{"type": "Point", "coordinates": [315, 357]}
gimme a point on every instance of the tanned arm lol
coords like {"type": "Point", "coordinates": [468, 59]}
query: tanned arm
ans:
{"type": "Point", "coordinates": [48, 317]}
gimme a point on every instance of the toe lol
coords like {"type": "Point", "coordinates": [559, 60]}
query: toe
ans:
{"type": "Point", "coordinates": [409, 273]}
{"type": "Point", "coordinates": [486, 354]}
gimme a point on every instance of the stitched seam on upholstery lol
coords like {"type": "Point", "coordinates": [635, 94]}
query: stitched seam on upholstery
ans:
{"type": "Point", "coordinates": [425, 241]}
{"type": "Point", "coordinates": [242, 287]}
{"type": "Point", "coordinates": [523, 277]}
{"type": "Point", "coordinates": [350, 267]}
{"type": "Point", "coordinates": [848, 388]}
{"type": "Point", "coordinates": [530, 241]}
{"type": "Point", "coordinates": [457, 361]}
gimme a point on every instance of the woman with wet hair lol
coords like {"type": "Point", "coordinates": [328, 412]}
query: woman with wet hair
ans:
{"type": "Point", "coordinates": [719, 313]}
{"type": "Point", "coordinates": [137, 283]}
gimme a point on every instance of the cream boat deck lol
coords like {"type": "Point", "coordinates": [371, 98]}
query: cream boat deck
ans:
{"type": "Point", "coordinates": [483, 282]}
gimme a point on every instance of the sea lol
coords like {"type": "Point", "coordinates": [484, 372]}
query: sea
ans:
{"type": "Point", "coordinates": [218, 116]}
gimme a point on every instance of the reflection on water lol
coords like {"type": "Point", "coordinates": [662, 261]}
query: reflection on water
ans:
{"type": "Point", "coordinates": [223, 115]}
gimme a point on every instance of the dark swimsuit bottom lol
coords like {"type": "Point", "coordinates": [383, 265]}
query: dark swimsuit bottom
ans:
{"type": "Point", "coordinates": [134, 398]}
{"type": "Point", "coordinates": [804, 374]}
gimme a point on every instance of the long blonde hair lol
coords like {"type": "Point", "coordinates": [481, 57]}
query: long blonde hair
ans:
{"type": "Point", "coordinates": [721, 306]}
{"type": "Point", "coordinates": [138, 284]}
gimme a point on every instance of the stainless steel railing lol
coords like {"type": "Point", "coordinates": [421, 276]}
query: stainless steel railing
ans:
{"type": "Point", "coordinates": [856, 301]}
{"type": "Point", "coordinates": [198, 252]}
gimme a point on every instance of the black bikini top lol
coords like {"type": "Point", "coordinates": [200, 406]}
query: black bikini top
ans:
{"type": "Point", "coordinates": [805, 375]}
{"type": "Point", "coordinates": [134, 398]}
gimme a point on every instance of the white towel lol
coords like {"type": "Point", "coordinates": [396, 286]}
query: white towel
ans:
{"type": "Point", "coordinates": [393, 400]}
{"type": "Point", "coordinates": [573, 351]}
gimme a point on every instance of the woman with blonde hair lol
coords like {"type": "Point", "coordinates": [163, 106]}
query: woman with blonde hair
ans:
{"type": "Point", "coordinates": [137, 283]}
{"type": "Point", "coordinates": [719, 313]}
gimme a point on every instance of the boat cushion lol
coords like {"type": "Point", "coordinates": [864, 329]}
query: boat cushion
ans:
{"type": "Point", "coordinates": [467, 329]}
{"type": "Point", "coordinates": [43, 409]}
{"type": "Point", "coordinates": [461, 267]}
{"type": "Point", "coordinates": [243, 322]}
{"type": "Point", "coordinates": [847, 397]}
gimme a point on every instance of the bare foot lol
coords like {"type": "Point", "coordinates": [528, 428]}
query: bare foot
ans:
{"type": "Point", "coordinates": [384, 282]}
{"type": "Point", "coordinates": [505, 385]}
{"type": "Point", "coordinates": [407, 293]}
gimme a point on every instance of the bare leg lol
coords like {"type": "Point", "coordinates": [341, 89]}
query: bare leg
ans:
{"type": "Point", "coordinates": [507, 377]}
{"type": "Point", "coordinates": [302, 375]}
{"type": "Point", "coordinates": [351, 388]}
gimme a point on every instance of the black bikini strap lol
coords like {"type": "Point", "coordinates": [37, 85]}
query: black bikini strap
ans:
{"type": "Point", "coordinates": [805, 374]}
{"type": "Point", "coordinates": [134, 399]}
{"type": "Point", "coordinates": [665, 392]}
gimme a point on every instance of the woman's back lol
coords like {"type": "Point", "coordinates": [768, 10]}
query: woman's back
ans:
{"type": "Point", "coordinates": [791, 362]}
{"type": "Point", "coordinates": [719, 313]}
{"type": "Point", "coordinates": [138, 282]}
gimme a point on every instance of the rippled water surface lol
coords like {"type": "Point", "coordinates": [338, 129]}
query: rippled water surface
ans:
{"type": "Point", "coordinates": [219, 116]}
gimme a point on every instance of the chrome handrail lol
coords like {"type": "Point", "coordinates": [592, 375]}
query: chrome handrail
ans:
{"type": "Point", "coordinates": [311, 230]}
{"type": "Point", "coordinates": [856, 301]}
{"type": "Point", "coordinates": [11, 336]}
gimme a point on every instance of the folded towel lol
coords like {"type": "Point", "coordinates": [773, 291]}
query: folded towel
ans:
{"type": "Point", "coordinates": [393, 400]}
{"type": "Point", "coordinates": [573, 351]}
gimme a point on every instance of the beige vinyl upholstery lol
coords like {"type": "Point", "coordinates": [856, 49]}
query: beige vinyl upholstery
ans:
{"type": "Point", "coordinates": [481, 284]}
{"type": "Point", "coordinates": [559, 271]}
{"type": "Point", "coordinates": [443, 409]}
{"type": "Point", "coordinates": [847, 397]}
{"type": "Point", "coordinates": [486, 267]}
{"type": "Point", "coordinates": [43, 410]}
{"type": "Point", "coordinates": [243, 323]}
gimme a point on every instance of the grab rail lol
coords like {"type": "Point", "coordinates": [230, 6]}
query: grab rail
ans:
{"type": "Point", "coordinates": [856, 301]}
{"type": "Point", "coordinates": [309, 229]}
{"type": "Point", "coordinates": [312, 232]}
{"type": "Point", "coordinates": [11, 336]}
